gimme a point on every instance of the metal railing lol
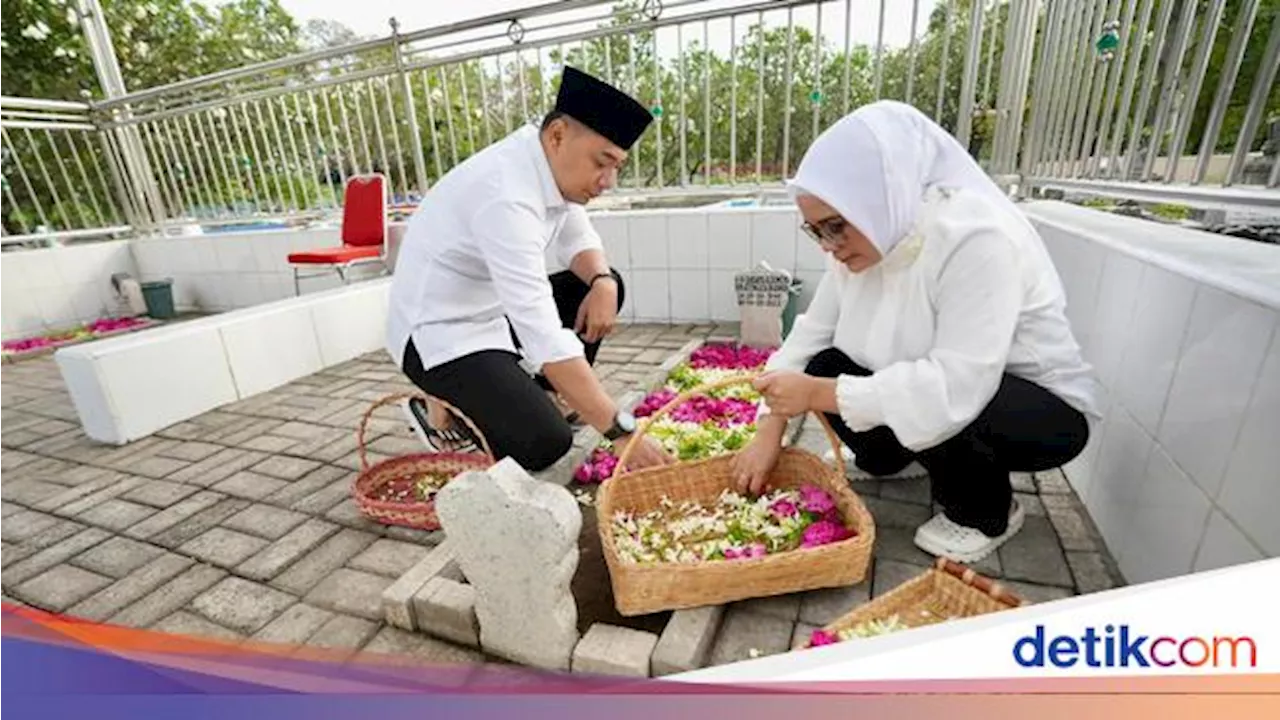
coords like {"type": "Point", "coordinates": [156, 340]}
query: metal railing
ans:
{"type": "Point", "coordinates": [1040, 90]}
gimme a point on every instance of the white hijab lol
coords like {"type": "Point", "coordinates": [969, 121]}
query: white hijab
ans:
{"type": "Point", "coordinates": [876, 164]}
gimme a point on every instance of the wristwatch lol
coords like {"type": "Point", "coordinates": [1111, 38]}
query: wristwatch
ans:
{"type": "Point", "coordinates": [624, 423]}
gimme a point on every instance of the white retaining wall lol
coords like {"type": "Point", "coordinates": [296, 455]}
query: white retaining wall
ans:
{"type": "Point", "coordinates": [1182, 326]}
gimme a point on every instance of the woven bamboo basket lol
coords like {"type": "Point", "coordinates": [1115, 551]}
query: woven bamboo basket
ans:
{"type": "Point", "coordinates": [642, 588]}
{"type": "Point", "coordinates": [414, 514]}
{"type": "Point", "coordinates": [946, 591]}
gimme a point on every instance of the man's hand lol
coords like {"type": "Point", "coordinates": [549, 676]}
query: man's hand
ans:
{"type": "Point", "coordinates": [787, 392]}
{"type": "Point", "coordinates": [598, 313]}
{"type": "Point", "coordinates": [647, 453]}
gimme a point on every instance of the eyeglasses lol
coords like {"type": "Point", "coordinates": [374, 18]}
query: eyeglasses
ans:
{"type": "Point", "coordinates": [828, 232]}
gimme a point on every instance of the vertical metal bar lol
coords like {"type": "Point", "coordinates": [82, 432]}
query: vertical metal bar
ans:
{"type": "Point", "coordinates": [1025, 31]}
{"type": "Point", "coordinates": [911, 50]}
{"type": "Point", "coordinates": [1274, 178]}
{"type": "Point", "coordinates": [1080, 88]}
{"type": "Point", "coordinates": [760, 103]}
{"type": "Point", "coordinates": [270, 148]}
{"type": "Point", "coordinates": [706, 102]}
{"type": "Point", "coordinates": [848, 55]}
{"type": "Point", "coordinates": [657, 99]}
{"type": "Point", "coordinates": [542, 85]}
{"type": "Point", "coordinates": [1226, 83]}
{"type": "Point", "coordinates": [1263, 82]}
{"type": "Point", "coordinates": [123, 183]}
{"type": "Point", "coordinates": [991, 52]}
{"type": "Point", "coordinates": [244, 161]}
{"type": "Point", "coordinates": [84, 178]}
{"type": "Point", "coordinates": [946, 60]}
{"type": "Point", "coordinates": [1090, 93]}
{"type": "Point", "coordinates": [346, 131]}
{"type": "Point", "coordinates": [304, 187]}
{"type": "Point", "coordinates": [182, 149]}
{"type": "Point", "coordinates": [44, 173]}
{"type": "Point", "coordinates": [395, 138]}
{"type": "Point", "coordinates": [1010, 74]}
{"type": "Point", "coordinates": [219, 121]}
{"type": "Point", "coordinates": [364, 135]}
{"type": "Point", "coordinates": [13, 203]}
{"type": "Point", "coordinates": [113, 211]}
{"type": "Point", "coordinates": [1061, 56]}
{"type": "Point", "coordinates": [377, 130]}
{"type": "Point", "coordinates": [1042, 96]}
{"type": "Point", "coordinates": [339, 193]}
{"type": "Point", "coordinates": [733, 99]}
{"type": "Point", "coordinates": [1133, 47]}
{"type": "Point", "coordinates": [684, 115]}
{"type": "Point", "coordinates": [264, 188]}
{"type": "Point", "coordinates": [283, 162]}
{"type": "Point", "coordinates": [969, 81]}
{"type": "Point", "coordinates": [308, 150]}
{"type": "Point", "coordinates": [608, 61]}
{"type": "Point", "coordinates": [66, 178]}
{"type": "Point", "coordinates": [1074, 53]}
{"type": "Point", "coordinates": [502, 86]}
{"type": "Point", "coordinates": [879, 81]}
{"type": "Point", "coordinates": [448, 114]}
{"type": "Point", "coordinates": [174, 166]}
{"type": "Point", "coordinates": [524, 96]}
{"type": "Point", "coordinates": [218, 149]}
{"type": "Point", "coordinates": [466, 107]}
{"type": "Point", "coordinates": [202, 143]}
{"type": "Point", "coordinates": [198, 173]}
{"type": "Point", "coordinates": [1186, 24]}
{"type": "Point", "coordinates": [631, 65]}
{"type": "Point", "coordinates": [788, 95]}
{"type": "Point", "coordinates": [1191, 96]}
{"type": "Point", "coordinates": [816, 100]}
{"type": "Point", "coordinates": [26, 181]}
{"type": "Point", "coordinates": [484, 107]}
{"type": "Point", "coordinates": [431, 120]}
{"type": "Point", "coordinates": [411, 115]}
{"type": "Point", "coordinates": [1148, 83]}
{"type": "Point", "coordinates": [1116, 67]}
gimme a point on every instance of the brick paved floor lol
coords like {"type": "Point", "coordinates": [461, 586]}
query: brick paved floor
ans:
{"type": "Point", "coordinates": [239, 523]}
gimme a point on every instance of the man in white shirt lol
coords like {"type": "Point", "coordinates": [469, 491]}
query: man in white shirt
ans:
{"type": "Point", "coordinates": [471, 292]}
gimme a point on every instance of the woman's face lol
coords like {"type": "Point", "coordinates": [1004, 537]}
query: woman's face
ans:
{"type": "Point", "coordinates": [836, 235]}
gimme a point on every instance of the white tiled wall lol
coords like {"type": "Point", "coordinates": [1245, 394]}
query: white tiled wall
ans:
{"type": "Point", "coordinates": [679, 265]}
{"type": "Point", "coordinates": [60, 287]}
{"type": "Point", "coordinates": [1183, 328]}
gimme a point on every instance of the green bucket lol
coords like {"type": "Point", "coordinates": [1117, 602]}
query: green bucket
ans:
{"type": "Point", "coordinates": [789, 310]}
{"type": "Point", "coordinates": [159, 298]}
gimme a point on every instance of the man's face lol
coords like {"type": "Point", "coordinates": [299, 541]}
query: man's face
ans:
{"type": "Point", "coordinates": [583, 162]}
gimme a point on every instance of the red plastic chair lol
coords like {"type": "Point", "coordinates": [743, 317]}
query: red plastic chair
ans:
{"type": "Point", "coordinates": [364, 233]}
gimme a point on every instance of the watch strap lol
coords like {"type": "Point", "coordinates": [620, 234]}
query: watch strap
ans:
{"type": "Point", "coordinates": [599, 276]}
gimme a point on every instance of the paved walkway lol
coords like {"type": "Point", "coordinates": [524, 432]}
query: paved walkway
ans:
{"type": "Point", "coordinates": [239, 523]}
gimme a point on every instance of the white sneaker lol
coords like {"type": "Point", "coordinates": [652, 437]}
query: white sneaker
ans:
{"type": "Point", "coordinates": [914, 471]}
{"type": "Point", "coordinates": [944, 538]}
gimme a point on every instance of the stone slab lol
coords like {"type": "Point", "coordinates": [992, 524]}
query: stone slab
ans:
{"type": "Point", "coordinates": [192, 625]}
{"type": "Point", "coordinates": [686, 641]}
{"type": "Point", "coordinates": [169, 597]}
{"type": "Point", "coordinates": [745, 635]}
{"type": "Point", "coordinates": [1033, 555]}
{"type": "Point", "coordinates": [447, 609]}
{"type": "Point", "coordinates": [265, 521]}
{"type": "Point", "coordinates": [60, 587]}
{"type": "Point", "coordinates": [613, 650]}
{"type": "Point", "coordinates": [397, 605]}
{"type": "Point", "coordinates": [242, 605]}
{"type": "Point", "coordinates": [820, 607]}
{"type": "Point", "coordinates": [350, 592]}
{"type": "Point", "coordinates": [159, 493]}
{"type": "Point", "coordinates": [117, 557]}
{"type": "Point", "coordinates": [198, 523]}
{"type": "Point", "coordinates": [115, 515]}
{"type": "Point", "coordinates": [223, 547]}
{"type": "Point", "coordinates": [392, 645]}
{"type": "Point", "coordinates": [280, 554]}
{"type": "Point", "coordinates": [293, 626]}
{"type": "Point", "coordinates": [322, 560]}
{"type": "Point", "coordinates": [174, 514]}
{"type": "Point", "coordinates": [392, 558]}
{"type": "Point", "coordinates": [128, 589]}
{"type": "Point", "coordinates": [783, 607]}
{"type": "Point", "coordinates": [249, 485]}
{"type": "Point", "coordinates": [53, 555]}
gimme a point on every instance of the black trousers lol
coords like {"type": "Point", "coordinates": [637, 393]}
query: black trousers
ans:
{"type": "Point", "coordinates": [508, 406]}
{"type": "Point", "coordinates": [1025, 428]}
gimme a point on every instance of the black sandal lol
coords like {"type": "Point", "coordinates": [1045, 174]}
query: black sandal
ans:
{"type": "Point", "coordinates": [454, 440]}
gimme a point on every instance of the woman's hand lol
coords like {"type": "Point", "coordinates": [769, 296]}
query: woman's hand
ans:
{"type": "Point", "coordinates": [787, 392]}
{"type": "Point", "coordinates": [752, 464]}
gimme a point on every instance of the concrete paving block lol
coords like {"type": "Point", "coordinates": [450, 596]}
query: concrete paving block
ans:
{"type": "Point", "coordinates": [294, 625]}
{"type": "Point", "coordinates": [321, 560]}
{"type": "Point", "coordinates": [274, 558]}
{"type": "Point", "coordinates": [242, 605]}
{"type": "Point", "coordinates": [60, 587]}
{"type": "Point", "coordinates": [397, 599]}
{"type": "Point", "coordinates": [128, 589]}
{"type": "Point", "coordinates": [613, 650]}
{"type": "Point", "coordinates": [350, 592]}
{"type": "Point", "coordinates": [221, 546]}
{"type": "Point", "coordinates": [116, 557]}
{"type": "Point", "coordinates": [745, 635]}
{"type": "Point", "coordinates": [447, 609]}
{"type": "Point", "coordinates": [686, 641]}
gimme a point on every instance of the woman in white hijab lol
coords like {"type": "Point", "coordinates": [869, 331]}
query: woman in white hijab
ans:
{"type": "Point", "coordinates": [936, 335]}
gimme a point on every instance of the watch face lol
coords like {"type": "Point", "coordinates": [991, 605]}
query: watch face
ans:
{"type": "Point", "coordinates": [627, 421]}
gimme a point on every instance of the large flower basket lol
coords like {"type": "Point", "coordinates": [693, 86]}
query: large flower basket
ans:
{"type": "Point", "coordinates": [642, 588]}
{"type": "Point", "coordinates": [401, 475]}
{"type": "Point", "coordinates": [947, 591]}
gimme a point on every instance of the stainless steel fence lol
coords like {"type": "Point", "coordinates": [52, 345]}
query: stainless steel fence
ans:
{"type": "Point", "coordinates": [1077, 94]}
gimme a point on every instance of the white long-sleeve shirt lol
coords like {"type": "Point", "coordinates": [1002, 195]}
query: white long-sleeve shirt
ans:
{"type": "Point", "coordinates": [474, 254]}
{"type": "Point", "coordinates": [968, 296]}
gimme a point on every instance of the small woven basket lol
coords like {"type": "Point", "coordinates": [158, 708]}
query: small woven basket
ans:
{"type": "Point", "coordinates": [642, 588]}
{"type": "Point", "coordinates": [946, 591]}
{"type": "Point", "coordinates": [413, 514]}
